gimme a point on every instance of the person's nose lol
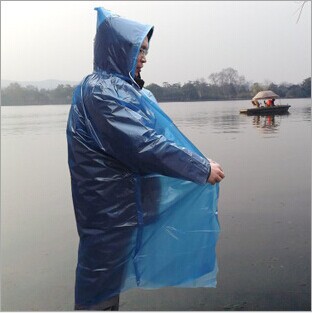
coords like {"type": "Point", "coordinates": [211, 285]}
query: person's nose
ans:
{"type": "Point", "coordinates": [143, 59]}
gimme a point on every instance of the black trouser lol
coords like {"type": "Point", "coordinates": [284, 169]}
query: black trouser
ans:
{"type": "Point", "coordinates": [111, 304]}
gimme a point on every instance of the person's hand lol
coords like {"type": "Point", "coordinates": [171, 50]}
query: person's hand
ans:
{"type": "Point", "coordinates": [216, 173]}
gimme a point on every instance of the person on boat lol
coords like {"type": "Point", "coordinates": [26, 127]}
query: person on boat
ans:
{"type": "Point", "coordinates": [269, 102]}
{"type": "Point", "coordinates": [127, 160]}
{"type": "Point", "coordinates": [256, 103]}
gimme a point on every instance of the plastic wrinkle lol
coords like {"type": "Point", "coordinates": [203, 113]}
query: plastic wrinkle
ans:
{"type": "Point", "coordinates": [171, 230]}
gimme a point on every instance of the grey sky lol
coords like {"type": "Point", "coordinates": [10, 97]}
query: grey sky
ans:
{"type": "Point", "coordinates": [192, 39]}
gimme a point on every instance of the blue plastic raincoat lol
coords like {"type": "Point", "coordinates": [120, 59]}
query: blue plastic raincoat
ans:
{"type": "Point", "coordinates": [145, 215]}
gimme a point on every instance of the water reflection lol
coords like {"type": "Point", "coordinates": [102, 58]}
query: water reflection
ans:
{"type": "Point", "coordinates": [267, 124]}
{"type": "Point", "coordinates": [219, 122]}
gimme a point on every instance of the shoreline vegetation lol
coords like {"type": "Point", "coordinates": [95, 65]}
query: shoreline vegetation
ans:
{"type": "Point", "coordinates": [224, 85]}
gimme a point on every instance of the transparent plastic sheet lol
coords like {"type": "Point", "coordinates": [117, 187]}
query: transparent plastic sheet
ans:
{"type": "Point", "coordinates": [144, 214]}
{"type": "Point", "coordinates": [178, 247]}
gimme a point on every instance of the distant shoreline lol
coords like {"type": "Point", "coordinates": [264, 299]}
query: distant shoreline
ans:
{"type": "Point", "coordinates": [173, 101]}
{"type": "Point", "coordinates": [224, 87]}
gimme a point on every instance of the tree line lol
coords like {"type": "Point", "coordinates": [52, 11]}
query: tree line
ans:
{"type": "Point", "coordinates": [224, 85]}
{"type": "Point", "coordinates": [15, 94]}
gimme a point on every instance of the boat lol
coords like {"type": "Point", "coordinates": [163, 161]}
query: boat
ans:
{"type": "Point", "coordinates": [277, 109]}
{"type": "Point", "coordinates": [266, 110]}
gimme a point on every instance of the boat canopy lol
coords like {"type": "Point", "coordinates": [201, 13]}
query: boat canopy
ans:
{"type": "Point", "coordinates": [266, 94]}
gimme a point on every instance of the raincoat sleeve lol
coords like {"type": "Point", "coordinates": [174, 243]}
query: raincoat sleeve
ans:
{"type": "Point", "coordinates": [127, 135]}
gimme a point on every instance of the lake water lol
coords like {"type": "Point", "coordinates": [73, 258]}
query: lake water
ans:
{"type": "Point", "coordinates": [264, 250]}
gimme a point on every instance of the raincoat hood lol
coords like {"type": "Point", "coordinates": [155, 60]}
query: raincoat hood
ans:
{"type": "Point", "coordinates": [117, 43]}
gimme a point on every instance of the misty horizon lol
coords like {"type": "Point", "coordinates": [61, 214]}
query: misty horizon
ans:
{"type": "Point", "coordinates": [263, 40]}
{"type": "Point", "coordinates": [54, 81]}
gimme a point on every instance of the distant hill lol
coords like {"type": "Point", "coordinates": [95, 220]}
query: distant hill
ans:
{"type": "Point", "coordinates": [42, 84]}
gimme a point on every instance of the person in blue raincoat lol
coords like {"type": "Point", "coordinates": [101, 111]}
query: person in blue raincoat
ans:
{"type": "Point", "coordinates": [144, 196]}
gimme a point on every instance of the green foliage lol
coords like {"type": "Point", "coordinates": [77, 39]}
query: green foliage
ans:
{"type": "Point", "coordinates": [225, 85]}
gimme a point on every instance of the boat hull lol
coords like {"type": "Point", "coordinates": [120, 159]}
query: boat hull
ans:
{"type": "Point", "coordinates": [277, 109]}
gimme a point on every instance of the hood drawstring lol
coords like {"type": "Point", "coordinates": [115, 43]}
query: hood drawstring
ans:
{"type": "Point", "coordinates": [139, 81]}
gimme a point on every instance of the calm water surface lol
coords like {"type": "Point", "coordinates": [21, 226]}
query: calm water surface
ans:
{"type": "Point", "coordinates": [264, 210]}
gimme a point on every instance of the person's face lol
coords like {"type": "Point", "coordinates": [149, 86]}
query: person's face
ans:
{"type": "Point", "coordinates": [142, 57]}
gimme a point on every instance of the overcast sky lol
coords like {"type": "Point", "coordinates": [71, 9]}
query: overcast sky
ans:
{"type": "Point", "coordinates": [260, 39]}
